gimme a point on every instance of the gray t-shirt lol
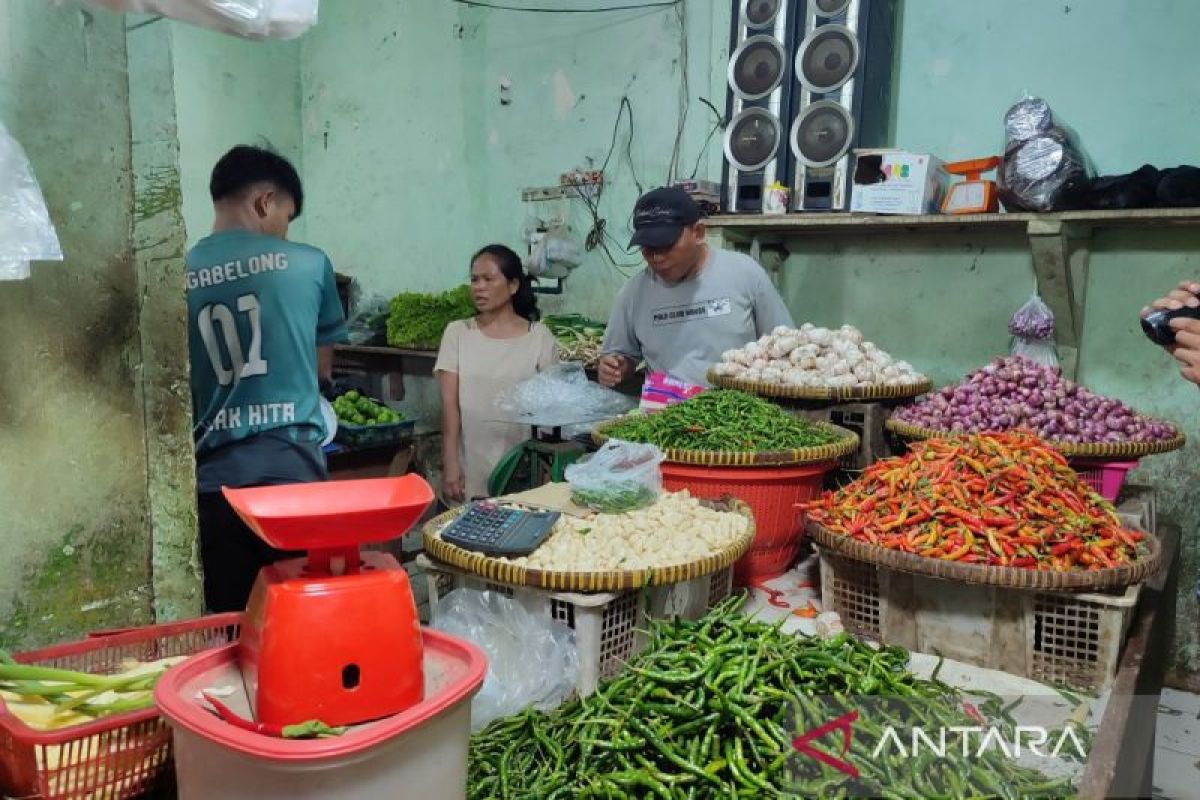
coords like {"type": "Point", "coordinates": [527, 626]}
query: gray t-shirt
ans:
{"type": "Point", "coordinates": [684, 328]}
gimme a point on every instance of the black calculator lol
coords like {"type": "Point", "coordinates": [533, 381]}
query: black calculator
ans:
{"type": "Point", "coordinates": [499, 530]}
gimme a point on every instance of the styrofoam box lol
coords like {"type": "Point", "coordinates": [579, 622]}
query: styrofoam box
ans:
{"type": "Point", "coordinates": [609, 626]}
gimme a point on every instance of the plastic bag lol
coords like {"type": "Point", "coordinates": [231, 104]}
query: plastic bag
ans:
{"type": "Point", "coordinates": [250, 19]}
{"type": "Point", "coordinates": [367, 324]}
{"type": "Point", "coordinates": [1042, 165]}
{"type": "Point", "coordinates": [532, 658]}
{"type": "Point", "coordinates": [1032, 327]}
{"type": "Point", "coordinates": [26, 232]}
{"type": "Point", "coordinates": [561, 395]}
{"type": "Point", "coordinates": [555, 254]}
{"type": "Point", "coordinates": [619, 477]}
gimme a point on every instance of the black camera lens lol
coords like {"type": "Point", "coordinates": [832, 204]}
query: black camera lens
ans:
{"type": "Point", "coordinates": [1157, 325]}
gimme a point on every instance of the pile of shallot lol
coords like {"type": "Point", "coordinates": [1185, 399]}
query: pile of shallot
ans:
{"type": "Point", "coordinates": [1015, 392]}
{"type": "Point", "coordinates": [816, 357]}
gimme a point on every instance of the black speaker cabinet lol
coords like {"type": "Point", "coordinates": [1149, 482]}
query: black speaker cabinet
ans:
{"type": "Point", "coordinates": [842, 97]}
{"type": "Point", "coordinates": [808, 83]}
{"type": "Point", "coordinates": [760, 78]}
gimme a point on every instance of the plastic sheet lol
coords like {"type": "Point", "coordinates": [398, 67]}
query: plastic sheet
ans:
{"type": "Point", "coordinates": [561, 395]}
{"type": "Point", "coordinates": [26, 232]}
{"type": "Point", "coordinates": [1042, 166]}
{"type": "Point", "coordinates": [619, 477]}
{"type": "Point", "coordinates": [532, 658]}
{"type": "Point", "coordinates": [250, 19]}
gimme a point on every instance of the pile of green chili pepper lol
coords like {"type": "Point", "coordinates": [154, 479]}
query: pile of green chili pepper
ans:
{"type": "Point", "coordinates": [710, 710]}
{"type": "Point", "coordinates": [722, 420]}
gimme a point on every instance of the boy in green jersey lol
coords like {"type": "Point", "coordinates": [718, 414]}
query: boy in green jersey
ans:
{"type": "Point", "coordinates": [263, 315]}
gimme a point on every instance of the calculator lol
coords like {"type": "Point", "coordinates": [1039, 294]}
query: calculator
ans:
{"type": "Point", "coordinates": [499, 530]}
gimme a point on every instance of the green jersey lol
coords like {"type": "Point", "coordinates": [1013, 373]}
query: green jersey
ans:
{"type": "Point", "coordinates": [258, 309]}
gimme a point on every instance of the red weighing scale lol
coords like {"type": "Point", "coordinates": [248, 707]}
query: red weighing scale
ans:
{"type": "Point", "coordinates": [335, 635]}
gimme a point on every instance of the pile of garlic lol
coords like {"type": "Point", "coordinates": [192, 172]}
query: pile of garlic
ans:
{"type": "Point", "coordinates": [816, 357]}
{"type": "Point", "coordinates": [674, 531]}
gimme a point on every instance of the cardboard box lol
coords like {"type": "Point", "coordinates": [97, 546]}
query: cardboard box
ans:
{"type": "Point", "coordinates": [898, 182]}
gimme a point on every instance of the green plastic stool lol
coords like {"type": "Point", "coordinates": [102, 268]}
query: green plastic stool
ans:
{"type": "Point", "coordinates": [545, 462]}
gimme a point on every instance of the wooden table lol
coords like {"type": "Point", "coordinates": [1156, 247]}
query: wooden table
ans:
{"type": "Point", "coordinates": [1121, 763]}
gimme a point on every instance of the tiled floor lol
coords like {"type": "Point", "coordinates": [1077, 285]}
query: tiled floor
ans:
{"type": "Point", "coordinates": [1177, 751]}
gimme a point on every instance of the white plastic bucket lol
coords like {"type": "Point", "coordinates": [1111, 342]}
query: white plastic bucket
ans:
{"type": "Point", "coordinates": [420, 753]}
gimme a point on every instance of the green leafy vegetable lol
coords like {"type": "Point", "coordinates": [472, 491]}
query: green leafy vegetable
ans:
{"type": "Point", "coordinates": [418, 320]}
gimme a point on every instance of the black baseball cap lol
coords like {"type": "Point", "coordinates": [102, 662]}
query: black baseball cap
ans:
{"type": "Point", "coordinates": [661, 214]}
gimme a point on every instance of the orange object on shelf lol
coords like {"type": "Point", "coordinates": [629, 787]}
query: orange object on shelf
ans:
{"type": "Point", "coordinates": [973, 195]}
{"type": "Point", "coordinates": [771, 493]}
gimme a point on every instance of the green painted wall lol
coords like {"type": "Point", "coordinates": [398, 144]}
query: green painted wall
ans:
{"type": "Point", "coordinates": [74, 540]}
{"type": "Point", "coordinates": [230, 91]}
{"type": "Point", "coordinates": [413, 161]}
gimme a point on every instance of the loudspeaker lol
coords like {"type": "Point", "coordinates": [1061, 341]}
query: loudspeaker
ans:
{"type": "Point", "coordinates": [842, 97]}
{"type": "Point", "coordinates": [808, 81]}
{"type": "Point", "coordinates": [760, 78]}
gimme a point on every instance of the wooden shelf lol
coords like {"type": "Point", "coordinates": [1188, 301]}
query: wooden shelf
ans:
{"type": "Point", "coordinates": [365, 351]}
{"type": "Point", "coordinates": [1059, 243]}
{"type": "Point", "coordinates": [745, 226]}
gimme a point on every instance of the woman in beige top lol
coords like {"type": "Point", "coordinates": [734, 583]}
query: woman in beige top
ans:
{"type": "Point", "coordinates": [479, 358]}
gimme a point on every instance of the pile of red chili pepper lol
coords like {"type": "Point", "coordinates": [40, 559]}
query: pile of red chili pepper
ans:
{"type": "Point", "coordinates": [1003, 499]}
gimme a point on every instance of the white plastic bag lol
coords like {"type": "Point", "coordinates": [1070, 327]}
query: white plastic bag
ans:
{"type": "Point", "coordinates": [250, 19]}
{"type": "Point", "coordinates": [532, 658]}
{"type": "Point", "coordinates": [26, 232]}
{"type": "Point", "coordinates": [555, 255]}
{"type": "Point", "coordinates": [619, 477]}
{"type": "Point", "coordinates": [561, 395]}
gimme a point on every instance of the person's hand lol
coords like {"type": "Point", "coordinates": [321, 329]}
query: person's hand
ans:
{"type": "Point", "coordinates": [614, 369]}
{"type": "Point", "coordinates": [1186, 349]}
{"type": "Point", "coordinates": [1182, 295]}
{"type": "Point", "coordinates": [454, 482]}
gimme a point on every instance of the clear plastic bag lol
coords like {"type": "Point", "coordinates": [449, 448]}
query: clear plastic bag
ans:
{"type": "Point", "coordinates": [513, 639]}
{"type": "Point", "coordinates": [1033, 320]}
{"type": "Point", "coordinates": [561, 395]}
{"type": "Point", "coordinates": [26, 232]}
{"type": "Point", "coordinates": [250, 19]}
{"type": "Point", "coordinates": [367, 324]}
{"type": "Point", "coordinates": [1032, 327]}
{"type": "Point", "coordinates": [619, 477]}
{"type": "Point", "coordinates": [1042, 164]}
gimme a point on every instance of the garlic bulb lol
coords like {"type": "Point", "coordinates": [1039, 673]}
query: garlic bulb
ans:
{"type": "Point", "coordinates": [814, 356]}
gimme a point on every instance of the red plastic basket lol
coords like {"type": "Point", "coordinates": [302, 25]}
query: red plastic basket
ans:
{"type": "Point", "coordinates": [114, 757]}
{"type": "Point", "coordinates": [772, 493]}
{"type": "Point", "coordinates": [1105, 477]}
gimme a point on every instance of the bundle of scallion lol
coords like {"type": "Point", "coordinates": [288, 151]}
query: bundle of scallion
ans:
{"type": "Point", "coordinates": [47, 698]}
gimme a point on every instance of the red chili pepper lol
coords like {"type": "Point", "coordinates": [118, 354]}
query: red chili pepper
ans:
{"type": "Point", "coordinates": [1023, 561]}
{"type": "Point", "coordinates": [227, 714]}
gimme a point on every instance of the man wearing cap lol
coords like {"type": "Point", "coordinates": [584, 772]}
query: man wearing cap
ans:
{"type": "Point", "coordinates": [692, 304]}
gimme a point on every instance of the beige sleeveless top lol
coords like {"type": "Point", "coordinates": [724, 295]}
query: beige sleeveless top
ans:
{"type": "Point", "coordinates": [486, 367]}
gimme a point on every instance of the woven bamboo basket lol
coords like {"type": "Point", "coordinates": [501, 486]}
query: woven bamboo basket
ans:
{"type": "Point", "coordinates": [848, 443]}
{"type": "Point", "coordinates": [763, 389]}
{"type": "Point", "coordinates": [514, 574]}
{"type": "Point", "coordinates": [1009, 577]}
{"type": "Point", "coordinates": [1106, 450]}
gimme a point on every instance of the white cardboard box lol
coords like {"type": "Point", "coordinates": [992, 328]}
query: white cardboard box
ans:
{"type": "Point", "coordinates": [898, 182]}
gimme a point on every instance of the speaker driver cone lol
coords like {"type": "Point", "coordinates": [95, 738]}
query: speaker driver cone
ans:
{"type": "Point", "coordinates": [760, 13]}
{"type": "Point", "coordinates": [752, 139]}
{"type": "Point", "coordinates": [827, 58]}
{"type": "Point", "coordinates": [822, 133]}
{"type": "Point", "coordinates": [831, 8]}
{"type": "Point", "coordinates": [756, 68]}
